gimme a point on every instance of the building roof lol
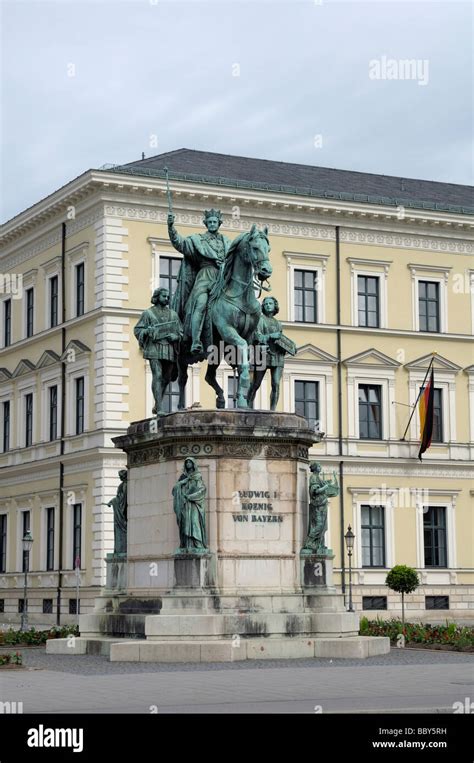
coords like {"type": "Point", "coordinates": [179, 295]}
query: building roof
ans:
{"type": "Point", "coordinates": [303, 179]}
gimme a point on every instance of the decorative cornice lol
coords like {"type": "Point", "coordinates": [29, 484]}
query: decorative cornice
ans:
{"type": "Point", "coordinates": [52, 265]}
{"type": "Point", "coordinates": [357, 262]}
{"type": "Point", "coordinates": [307, 256]}
{"type": "Point", "coordinates": [428, 266]}
{"type": "Point", "coordinates": [407, 241]}
{"type": "Point", "coordinates": [302, 230]}
{"type": "Point", "coordinates": [389, 490]}
{"type": "Point", "coordinates": [270, 210]}
{"type": "Point", "coordinates": [50, 239]}
{"type": "Point", "coordinates": [404, 470]}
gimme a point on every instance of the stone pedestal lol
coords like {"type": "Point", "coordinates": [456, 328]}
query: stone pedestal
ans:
{"type": "Point", "coordinates": [316, 571]}
{"type": "Point", "coordinates": [252, 595]}
{"type": "Point", "coordinates": [194, 571]}
{"type": "Point", "coordinates": [116, 573]}
{"type": "Point", "coordinates": [255, 468]}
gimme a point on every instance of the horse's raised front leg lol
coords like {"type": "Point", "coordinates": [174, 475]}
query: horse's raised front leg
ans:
{"type": "Point", "coordinates": [211, 379]}
{"type": "Point", "coordinates": [255, 386]}
{"type": "Point", "coordinates": [232, 337]}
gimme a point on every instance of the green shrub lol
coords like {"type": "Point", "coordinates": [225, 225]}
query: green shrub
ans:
{"type": "Point", "coordinates": [11, 659]}
{"type": "Point", "coordinates": [364, 626]}
{"type": "Point", "coordinates": [451, 634]}
{"type": "Point", "coordinates": [33, 637]}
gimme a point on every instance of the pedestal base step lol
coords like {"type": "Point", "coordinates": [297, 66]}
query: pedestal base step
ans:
{"type": "Point", "coordinates": [233, 650]}
{"type": "Point", "coordinates": [78, 645]}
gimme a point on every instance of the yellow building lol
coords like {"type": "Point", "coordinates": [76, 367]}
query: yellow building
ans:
{"type": "Point", "coordinates": [373, 274]}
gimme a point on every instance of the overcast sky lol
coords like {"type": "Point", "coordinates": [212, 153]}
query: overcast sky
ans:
{"type": "Point", "coordinates": [88, 83]}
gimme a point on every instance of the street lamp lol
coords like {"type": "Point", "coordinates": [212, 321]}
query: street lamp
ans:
{"type": "Point", "coordinates": [27, 542]}
{"type": "Point", "coordinates": [349, 538]}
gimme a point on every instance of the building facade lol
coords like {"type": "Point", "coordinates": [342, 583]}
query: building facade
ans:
{"type": "Point", "coordinates": [373, 275]}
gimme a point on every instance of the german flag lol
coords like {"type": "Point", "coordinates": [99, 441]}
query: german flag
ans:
{"type": "Point", "coordinates": [426, 415]}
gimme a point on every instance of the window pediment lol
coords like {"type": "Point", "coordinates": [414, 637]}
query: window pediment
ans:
{"type": "Point", "coordinates": [311, 353]}
{"type": "Point", "coordinates": [24, 367]}
{"type": "Point", "coordinates": [48, 358]}
{"type": "Point", "coordinates": [75, 347]}
{"type": "Point", "coordinates": [372, 358]}
{"type": "Point", "coordinates": [440, 363]}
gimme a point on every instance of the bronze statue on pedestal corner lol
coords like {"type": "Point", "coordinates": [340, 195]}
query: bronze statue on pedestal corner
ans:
{"type": "Point", "coordinates": [320, 489]}
{"type": "Point", "coordinates": [275, 345]}
{"type": "Point", "coordinates": [189, 504]}
{"type": "Point", "coordinates": [120, 504]}
{"type": "Point", "coordinates": [159, 332]}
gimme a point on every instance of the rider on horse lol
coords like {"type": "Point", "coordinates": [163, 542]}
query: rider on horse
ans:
{"type": "Point", "coordinates": [204, 256]}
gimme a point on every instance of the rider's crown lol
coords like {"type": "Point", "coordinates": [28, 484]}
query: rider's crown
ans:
{"type": "Point", "coordinates": [212, 213]}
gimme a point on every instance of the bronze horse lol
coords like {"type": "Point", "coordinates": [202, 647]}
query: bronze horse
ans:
{"type": "Point", "coordinates": [232, 315]}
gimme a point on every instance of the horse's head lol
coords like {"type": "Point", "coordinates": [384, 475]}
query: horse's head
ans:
{"type": "Point", "coordinates": [258, 251]}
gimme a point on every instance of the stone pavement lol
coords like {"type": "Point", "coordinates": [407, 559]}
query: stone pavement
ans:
{"type": "Point", "coordinates": [402, 681]}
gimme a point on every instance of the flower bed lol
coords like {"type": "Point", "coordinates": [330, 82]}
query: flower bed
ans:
{"type": "Point", "coordinates": [33, 637]}
{"type": "Point", "coordinates": [10, 659]}
{"type": "Point", "coordinates": [451, 635]}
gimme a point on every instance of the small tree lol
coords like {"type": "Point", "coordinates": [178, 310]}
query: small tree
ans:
{"type": "Point", "coordinates": [402, 579]}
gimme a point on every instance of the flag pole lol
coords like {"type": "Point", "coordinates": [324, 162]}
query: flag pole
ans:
{"type": "Point", "coordinates": [168, 191]}
{"type": "Point", "coordinates": [419, 395]}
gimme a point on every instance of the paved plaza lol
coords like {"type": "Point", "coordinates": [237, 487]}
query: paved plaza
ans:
{"type": "Point", "coordinates": [403, 681]}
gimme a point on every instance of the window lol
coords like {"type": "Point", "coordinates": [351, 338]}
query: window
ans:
{"type": "Point", "coordinates": [80, 405]}
{"type": "Point", "coordinates": [50, 538]}
{"type": "Point", "coordinates": [428, 305]}
{"type": "Point", "coordinates": [307, 401]}
{"type": "Point", "coordinates": [374, 602]}
{"type": "Point", "coordinates": [28, 419]}
{"type": "Point", "coordinates": [231, 392]}
{"type": "Point", "coordinates": [80, 289]}
{"type": "Point", "coordinates": [436, 602]}
{"type": "Point", "coordinates": [437, 435]}
{"type": "Point", "coordinates": [53, 301]}
{"type": "Point", "coordinates": [3, 542]}
{"type": "Point", "coordinates": [47, 606]}
{"type": "Point", "coordinates": [73, 607]}
{"type": "Point", "coordinates": [25, 528]}
{"type": "Point", "coordinates": [53, 412]}
{"type": "Point", "coordinates": [370, 412]}
{"type": "Point", "coordinates": [305, 296]}
{"type": "Point", "coordinates": [30, 308]}
{"type": "Point", "coordinates": [373, 536]}
{"type": "Point", "coordinates": [434, 526]}
{"type": "Point", "coordinates": [171, 398]}
{"type": "Point", "coordinates": [76, 533]}
{"type": "Point", "coordinates": [2, 606]}
{"type": "Point", "coordinates": [7, 323]}
{"type": "Point", "coordinates": [6, 426]}
{"type": "Point", "coordinates": [169, 269]}
{"type": "Point", "coordinates": [368, 301]}
{"type": "Point", "coordinates": [21, 606]}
